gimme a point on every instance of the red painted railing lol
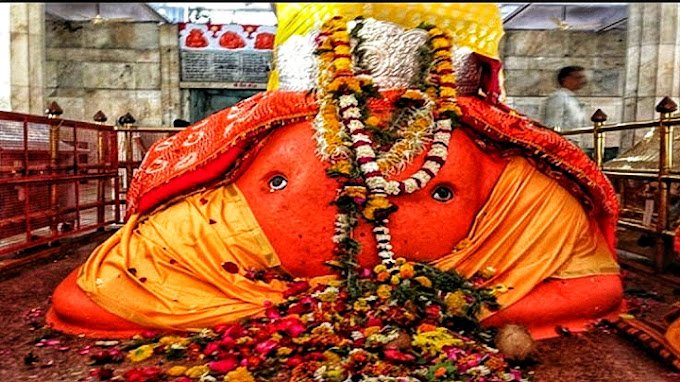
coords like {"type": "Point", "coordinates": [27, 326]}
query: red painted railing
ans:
{"type": "Point", "coordinates": [58, 178]}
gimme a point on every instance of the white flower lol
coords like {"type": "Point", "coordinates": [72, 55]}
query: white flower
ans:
{"type": "Point", "coordinates": [438, 150]}
{"type": "Point", "coordinates": [444, 124]}
{"type": "Point", "coordinates": [380, 237]}
{"type": "Point", "coordinates": [432, 166]}
{"type": "Point", "coordinates": [392, 187]}
{"type": "Point", "coordinates": [347, 100]}
{"type": "Point", "coordinates": [422, 176]}
{"type": "Point", "coordinates": [410, 185]}
{"type": "Point", "coordinates": [365, 152]}
{"type": "Point", "coordinates": [442, 137]}
{"type": "Point", "coordinates": [376, 182]}
{"type": "Point", "coordinates": [369, 167]}
{"type": "Point", "coordinates": [386, 246]}
{"type": "Point", "coordinates": [352, 112]}
{"type": "Point", "coordinates": [355, 124]}
{"type": "Point", "coordinates": [360, 137]}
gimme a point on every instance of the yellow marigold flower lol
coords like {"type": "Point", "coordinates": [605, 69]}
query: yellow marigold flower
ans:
{"type": "Point", "coordinates": [455, 302]}
{"type": "Point", "coordinates": [384, 291]}
{"type": "Point", "coordinates": [373, 121]}
{"type": "Point", "coordinates": [440, 42]}
{"type": "Point", "coordinates": [488, 272]}
{"type": "Point", "coordinates": [342, 49]}
{"type": "Point", "coordinates": [197, 371]}
{"type": "Point", "coordinates": [374, 204]}
{"type": "Point", "coordinates": [172, 340]}
{"type": "Point", "coordinates": [394, 280]}
{"type": "Point", "coordinates": [433, 341]}
{"type": "Point", "coordinates": [424, 281]}
{"type": "Point", "coordinates": [141, 353]}
{"type": "Point", "coordinates": [412, 94]}
{"type": "Point", "coordinates": [406, 271]}
{"type": "Point", "coordinates": [382, 276]}
{"type": "Point", "coordinates": [332, 357]}
{"type": "Point", "coordinates": [371, 330]}
{"type": "Point", "coordinates": [450, 78]}
{"type": "Point", "coordinates": [443, 65]}
{"type": "Point", "coordinates": [431, 92]}
{"type": "Point", "coordinates": [342, 63]}
{"type": "Point", "coordinates": [176, 371]}
{"type": "Point", "coordinates": [333, 374]}
{"type": "Point", "coordinates": [326, 44]}
{"type": "Point", "coordinates": [355, 191]}
{"type": "Point", "coordinates": [380, 268]}
{"type": "Point", "coordinates": [435, 31]}
{"type": "Point", "coordinates": [442, 54]}
{"type": "Point", "coordinates": [340, 36]}
{"type": "Point", "coordinates": [361, 305]}
{"type": "Point", "coordinates": [240, 374]}
{"type": "Point", "coordinates": [447, 92]}
{"type": "Point", "coordinates": [400, 260]}
{"type": "Point", "coordinates": [283, 351]}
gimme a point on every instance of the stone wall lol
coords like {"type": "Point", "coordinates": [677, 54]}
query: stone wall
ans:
{"type": "Point", "coordinates": [123, 67]}
{"type": "Point", "coordinates": [113, 67]}
{"type": "Point", "coordinates": [5, 74]}
{"type": "Point", "coordinates": [532, 59]}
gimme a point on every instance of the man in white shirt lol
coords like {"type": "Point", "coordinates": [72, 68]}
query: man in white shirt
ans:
{"type": "Point", "coordinates": [563, 111]}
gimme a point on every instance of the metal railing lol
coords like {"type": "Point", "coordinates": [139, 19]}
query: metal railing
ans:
{"type": "Point", "coordinates": [60, 178]}
{"type": "Point", "coordinates": [663, 175]}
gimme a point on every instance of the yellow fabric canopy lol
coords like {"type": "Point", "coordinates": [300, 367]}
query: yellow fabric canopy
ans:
{"type": "Point", "coordinates": [477, 26]}
{"type": "Point", "coordinates": [182, 268]}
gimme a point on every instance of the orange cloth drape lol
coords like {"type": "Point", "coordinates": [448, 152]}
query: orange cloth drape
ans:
{"type": "Point", "coordinates": [529, 230]}
{"type": "Point", "coordinates": [172, 269]}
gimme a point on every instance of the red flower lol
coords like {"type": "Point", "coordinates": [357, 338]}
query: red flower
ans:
{"type": "Point", "coordinates": [223, 366]}
{"type": "Point", "coordinates": [296, 288]}
{"type": "Point", "coordinates": [373, 321]}
{"type": "Point", "coordinates": [294, 361]}
{"type": "Point", "coordinates": [146, 374]}
{"type": "Point", "coordinates": [396, 355]}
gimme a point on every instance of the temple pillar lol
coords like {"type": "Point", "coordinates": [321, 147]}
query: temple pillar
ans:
{"type": "Point", "coordinates": [171, 102]}
{"type": "Point", "coordinates": [27, 58]}
{"type": "Point", "coordinates": [5, 74]}
{"type": "Point", "coordinates": [652, 62]}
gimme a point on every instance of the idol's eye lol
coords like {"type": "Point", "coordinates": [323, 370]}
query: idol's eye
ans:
{"type": "Point", "coordinates": [277, 183]}
{"type": "Point", "coordinates": [442, 193]}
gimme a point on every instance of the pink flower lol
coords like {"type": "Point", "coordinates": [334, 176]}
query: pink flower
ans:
{"type": "Point", "coordinates": [211, 348]}
{"type": "Point", "coordinates": [223, 366]}
{"type": "Point", "coordinates": [149, 333]}
{"type": "Point", "coordinates": [265, 347]}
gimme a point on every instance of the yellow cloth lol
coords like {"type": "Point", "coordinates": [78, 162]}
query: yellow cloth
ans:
{"type": "Point", "coordinates": [180, 254]}
{"type": "Point", "coordinates": [529, 230]}
{"type": "Point", "coordinates": [477, 26]}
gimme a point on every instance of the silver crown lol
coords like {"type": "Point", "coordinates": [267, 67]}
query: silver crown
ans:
{"type": "Point", "coordinates": [390, 53]}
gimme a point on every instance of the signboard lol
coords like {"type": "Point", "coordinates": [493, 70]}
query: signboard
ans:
{"type": "Point", "coordinates": [237, 55]}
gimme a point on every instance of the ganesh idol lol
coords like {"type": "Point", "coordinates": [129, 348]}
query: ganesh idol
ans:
{"type": "Point", "coordinates": [396, 107]}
